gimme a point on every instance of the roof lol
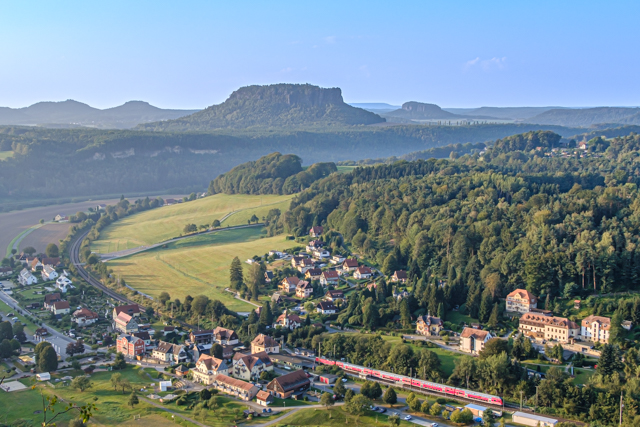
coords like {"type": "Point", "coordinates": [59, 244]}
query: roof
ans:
{"type": "Point", "coordinates": [123, 318]}
{"type": "Point", "coordinates": [85, 312]}
{"type": "Point", "coordinates": [330, 274]}
{"type": "Point", "coordinates": [316, 229]}
{"type": "Point", "coordinates": [48, 299]}
{"type": "Point", "coordinates": [221, 378]}
{"type": "Point", "coordinates": [306, 261]}
{"type": "Point", "coordinates": [291, 280]}
{"type": "Point", "coordinates": [364, 270]}
{"type": "Point", "coordinates": [293, 317]}
{"type": "Point", "coordinates": [130, 338]}
{"type": "Point", "coordinates": [225, 334]}
{"type": "Point", "coordinates": [430, 320]}
{"type": "Point", "coordinates": [264, 396]}
{"type": "Point", "coordinates": [350, 262]}
{"type": "Point", "coordinates": [202, 332]}
{"type": "Point", "coordinates": [535, 417]}
{"type": "Point", "coordinates": [167, 347]}
{"type": "Point", "coordinates": [211, 362]}
{"type": "Point", "coordinates": [475, 333]}
{"type": "Point", "coordinates": [560, 322]}
{"type": "Point", "coordinates": [250, 360]}
{"type": "Point", "coordinates": [326, 305]}
{"type": "Point", "coordinates": [264, 341]}
{"type": "Point", "coordinates": [604, 321]}
{"type": "Point", "coordinates": [268, 274]}
{"type": "Point", "coordinates": [476, 407]}
{"type": "Point", "coordinates": [316, 243]}
{"type": "Point", "coordinates": [314, 272]}
{"type": "Point", "coordinates": [61, 305]}
{"type": "Point", "coordinates": [133, 308]}
{"type": "Point", "coordinates": [523, 294]}
{"type": "Point", "coordinates": [293, 380]}
{"type": "Point", "coordinates": [303, 284]}
{"type": "Point", "coordinates": [335, 293]}
{"type": "Point", "coordinates": [400, 274]}
{"type": "Point", "coordinates": [143, 335]}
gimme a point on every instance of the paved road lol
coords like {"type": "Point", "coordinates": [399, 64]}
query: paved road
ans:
{"type": "Point", "coordinates": [58, 341]}
{"type": "Point", "coordinates": [128, 252]}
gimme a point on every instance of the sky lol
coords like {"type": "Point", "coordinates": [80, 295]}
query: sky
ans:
{"type": "Point", "coordinates": [192, 54]}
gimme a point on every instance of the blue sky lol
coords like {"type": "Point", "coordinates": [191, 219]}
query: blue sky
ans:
{"type": "Point", "coordinates": [192, 54]}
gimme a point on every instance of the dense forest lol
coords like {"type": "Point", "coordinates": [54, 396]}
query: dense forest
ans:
{"type": "Point", "coordinates": [91, 162]}
{"type": "Point", "coordinates": [271, 174]}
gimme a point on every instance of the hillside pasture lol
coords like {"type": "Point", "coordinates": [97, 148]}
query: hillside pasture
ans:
{"type": "Point", "coordinates": [197, 265]}
{"type": "Point", "coordinates": [42, 236]}
{"type": "Point", "coordinates": [158, 225]}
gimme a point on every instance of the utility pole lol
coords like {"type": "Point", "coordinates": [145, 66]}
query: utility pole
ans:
{"type": "Point", "coordinates": [536, 398]}
{"type": "Point", "coordinates": [411, 379]}
{"type": "Point", "coordinates": [621, 406]}
{"type": "Point", "coordinates": [520, 400]}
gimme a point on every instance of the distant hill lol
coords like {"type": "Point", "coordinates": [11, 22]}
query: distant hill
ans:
{"type": "Point", "coordinates": [376, 107]}
{"type": "Point", "coordinates": [274, 106]}
{"type": "Point", "coordinates": [421, 111]}
{"type": "Point", "coordinates": [588, 116]}
{"type": "Point", "coordinates": [513, 113]}
{"type": "Point", "coordinates": [72, 113]}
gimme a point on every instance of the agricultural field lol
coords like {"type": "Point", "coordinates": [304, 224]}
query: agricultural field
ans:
{"type": "Point", "coordinates": [197, 265]}
{"type": "Point", "coordinates": [164, 223]}
{"type": "Point", "coordinates": [40, 237]}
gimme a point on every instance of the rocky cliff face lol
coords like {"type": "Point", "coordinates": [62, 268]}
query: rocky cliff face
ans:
{"type": "Point", "coordinates": [275, 106]}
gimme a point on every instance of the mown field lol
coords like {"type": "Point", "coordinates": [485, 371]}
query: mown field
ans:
{"type": "Point", "coordinates": [164, 223]}
{"type": "Point", "coordinates": [335, 416]}
{"type": "Point", "coordinates": [197, 265]}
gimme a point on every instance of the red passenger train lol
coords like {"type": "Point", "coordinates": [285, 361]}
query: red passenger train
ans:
{"type": "Point", "coordinates": [418, 384]}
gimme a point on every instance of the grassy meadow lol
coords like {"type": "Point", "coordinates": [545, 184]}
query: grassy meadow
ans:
{"type": "Point", "coordinates": [197, 265]}
{"type": "Point", "coordinates": [157, 225]}
{"type": "Point", "coordinates": [335, 416]}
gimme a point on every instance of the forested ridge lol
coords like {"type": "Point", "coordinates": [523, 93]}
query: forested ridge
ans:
{"type": "Point", "coordinates": [271, 174]}
{"type": "Point", "coordinates": [88, 162]}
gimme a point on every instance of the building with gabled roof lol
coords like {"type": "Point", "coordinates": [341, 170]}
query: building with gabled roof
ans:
{"type": "Point", "coordinates": [304, 289]}
{"type": "Point", "coordinates": [326, 307]}
{"type": "Point", "coordinates": [26, 278]}
{"type": "Point", "coordinates": [289, 284]}
{"type": "Point", "coordinates": [399, 276]}
{"type": "Point", "coordinates": [595, 328]}
{"type": "Point", "coordinates": [473, 340]}
{"type": "Point", "coordinates": [49, 273]}
{"type": "Point", "coordinates": [50, 299]}
{"type": "Point", "coordinates": [84, 317]}
{"type": "Point", "coordinates": [201, 337]}
{"type": "Point", "coordinates": [208, 368]}
{"type": "Point", "coordinates": [329, 277]}
{"type": "Point", "coordinates": [225, 336]}
{"type": "Point", "coordinates": [548, 327]}
{"type": "Point", "coordinates": [250, 366]}
{"type": "Point", "coordinates": [129, 345]}
{"type": "Point", "coordinates": [362, 272]}
{"type": "Point", "coordinates": [287, 385]}
{"type": "Point", "coordinates": [286, 320]}
{"type": "Point", "coordinates": [316, 231]}
{"type": "Point", "coordinates": [61, 307]}
{"type": "Point", "coordinates": [234, 387]}
{"type": "Point", "coordinates": [334, 295]}
{"type": "Point", "coordinates": [170, 353]}
{"type": "Point", "coordinates": [429, 326]}
{"type": "Point", "coordinates": [125, 323]}
{"type": "Point", "coordinates": [265, 343]}
{"type": "Point", "coordinates": [313, 274]}
{"type": "Point", "coordinates": [521, 301]}
{"type": "Point", "coordinates": [132, 310]}
{"type": "Point", "coordinates": [349, 264]}
{"type": "Point", "coordinates": [263, 398]}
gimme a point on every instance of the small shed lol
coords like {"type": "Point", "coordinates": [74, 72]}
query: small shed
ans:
{"type": "Point", "coordinates": [263, 398]}
{"type": "Point", "coordinates": [182, 371]}
{"type": "Point", "coordinates": [533, 420]}
{"type": "Point", "coordinates": [576, 304]}
{"type": "Point", "coordinates": [45, 376]}
{"type": "Point", "coordinates": [165, 385]}
{"type": "Point", "coordinates": [476, 410]}
{"type": "Point", "coordinates": [328, 378]}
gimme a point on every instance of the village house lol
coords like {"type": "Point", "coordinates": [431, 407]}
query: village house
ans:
{"type": "Point", "coordinates": [316, 231]}
{"type": "Point", "coordinates": [49, 273]}
{"type": "Point", "coordinates": [289, 284]}
{"type": "Point", "coordinates": [201, 337]}
{"type": "Point", "coordinates": [313, 274]}
{"type": "Point", "coordinates": [61, 218]}
{"type": "Point", "coordinates": [542, 327]}
{"type": "Point", "coordinates": [334, 296]}
{"type": "Point", "coordinates": [314, 244]}
{"type": "Point", "coordinates": [304, 289]}
{"type": "Point", "coordinates": [130, 346]}
{"type": "Point", "coordinates": [296, 260]}
{"type": "Point", "coordinates": [287, 385]}
{"type": "Point", "coordinates": [225, 336]}
{"type": "Point", "coordinates": [329, 277]}
{"type": "Point", "coordinates": [208, 368]}
{"type": "Point", "coordinates": [26, 278]}
{"type": "Point", "coordinates": [349, 265]}
{"type": "Point", "coordinates": [473, 340]}
{"type": "Point", "coordinates": [337, 259]}
{"type": "Point", "coordinates": [326, 307]}
{"type": "Point", "coordinates": [263, 398]}
{"type": "Point", "coordinates": [286, 320]}
{"type": "Point", "coordinates": [521, 301]}
{"type": "Point", "coordinates": [268, 276]}
{"type": "Point", "coordinates": [63, 283]}
{"type": "Point", "coordinates": [60, 308]}
{"type": "Point", "coordinates": [362, 273]}
{"type": "Point", "coordinates": [132, 310]}
{"type": "Point", "coordinates": [305, 265]}
{"type": "Point", "coordinates": [38, 264]}
{"type": "Point", "coordinates": [170, 353]}
{"type": "Point", "coordinates": [84, 317]}
{"type": "Point", "coordinates": [400, 276]}
{"type": "Point", "coordinates": [627, 325]}
{"type": "Point", "coordinates": [429, 326]}
{"type": "Point", "coordinates": [596, 329]}
{"type": "Point", "coordinates": [145, 337]}
{"type": "Point", "coordinates": [125, 323]}
{"type": "Point", "coordinates": [234, 387]}
{"type": "Point", "coordinates": [321, 254]}
{"type": "Point", "coordinates": [6, 271]}
{"type": "Point", "coordinates": [264, 343]}
{"type": "Point", "coordinates": [249, 367]}
{"type": "Point", "coordinates": [50, 299]}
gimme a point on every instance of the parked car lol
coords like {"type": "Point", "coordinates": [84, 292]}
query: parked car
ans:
{"type": "Point", "coordinates": [408, 417]}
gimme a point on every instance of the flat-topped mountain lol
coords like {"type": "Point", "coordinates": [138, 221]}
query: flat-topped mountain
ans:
{"type": "Point", "coordinates": [421, 111]}
{"type": "Point", "coordinates": [588, 116]}
{"type": "Point", "coordinates": [274, 106]}
{"type": "Point", "coordinates": [73, 113]}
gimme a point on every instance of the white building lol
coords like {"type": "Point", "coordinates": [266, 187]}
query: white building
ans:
{"type": "Point", "coordinates": [63, 283]}
{"type": "Point", "coordinates": [49, 273]}
{"type": "Point", "coordinates": [26, 278]}
{"type": "Point", "coordinates": [595, 328]}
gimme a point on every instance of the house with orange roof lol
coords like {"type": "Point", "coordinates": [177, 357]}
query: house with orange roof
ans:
{"type": "Point", "coordinates": [521, 301]}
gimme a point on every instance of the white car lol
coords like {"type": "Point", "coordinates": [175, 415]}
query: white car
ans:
{"type": "Point", "coordinates": [344, 380]}
{"type": "Point", "coordinates": [408, 417]}
{"type": "Point", "coordinates": [434, 424]}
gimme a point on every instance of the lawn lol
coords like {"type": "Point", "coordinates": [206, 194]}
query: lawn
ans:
{"type": "Point", "coordinates": [164, 223]}
{"type": "Point", "coordinates": [29, 326]}
{"type": "Point", "coordinates": [195, 266]}
{"type": "Point", "coordinates": [335, 416]}
{"type": "Point", "coordinates": [582, 376]}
